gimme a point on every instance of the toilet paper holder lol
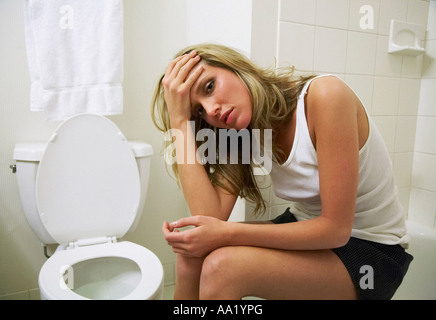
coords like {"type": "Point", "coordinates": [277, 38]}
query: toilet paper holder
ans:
{"type": "Point", "coordinates": [405, 38]}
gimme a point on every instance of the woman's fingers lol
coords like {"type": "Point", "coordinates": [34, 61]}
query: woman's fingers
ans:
{"type": "Point", "coordinates": [186, 68]}
{"type": "Point", "coordinates": [171, 65]}
{"type": "Point", "coordinates": [176, 244]}
{"type": "Point", "coordinates": [179, 78]}
{"type": "Point", "coordinates": [171, 235]}
{"type": "Point", "coordinates": [187, 221]}
{"type": "Point", "coordinates": [194, 75]}
{"type": "Point", "coordinates": [179, 68]}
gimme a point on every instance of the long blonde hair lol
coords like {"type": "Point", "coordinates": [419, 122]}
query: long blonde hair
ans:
{"type": "Point", "coordinates": [274, 95]}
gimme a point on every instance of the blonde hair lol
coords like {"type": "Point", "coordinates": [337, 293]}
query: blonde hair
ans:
{"type": "Point", "coordinates": [274, 95]}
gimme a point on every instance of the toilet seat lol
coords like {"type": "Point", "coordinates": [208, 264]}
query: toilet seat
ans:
{"type": "Point", "coordinates": [87, 194]}
{"type": "Point", "coordinates": [150, 285]}
{"type": "Point", "coordinates": [87, 185]}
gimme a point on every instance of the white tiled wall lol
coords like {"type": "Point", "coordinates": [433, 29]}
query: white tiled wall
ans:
{"type": "Point", "coordinates": [423, 191]}
{"type": "Point", "coordinates": [325, 36]}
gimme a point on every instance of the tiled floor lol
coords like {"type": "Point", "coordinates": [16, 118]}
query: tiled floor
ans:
{"type": "Point", "coordinates": [168, 292]}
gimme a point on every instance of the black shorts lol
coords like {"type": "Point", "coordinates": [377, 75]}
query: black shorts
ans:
{"type": "Point", "coordinates": [376, 269]}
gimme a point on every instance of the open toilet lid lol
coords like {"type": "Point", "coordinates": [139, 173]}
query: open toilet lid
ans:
{"type": "Point", "coordinates": [87, 184]}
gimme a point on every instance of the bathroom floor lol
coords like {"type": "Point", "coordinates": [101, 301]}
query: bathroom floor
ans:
{"type": "Point", "coordinates": [169, 294]}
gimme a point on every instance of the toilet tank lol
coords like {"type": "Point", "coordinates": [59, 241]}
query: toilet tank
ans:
{"type": "Point", "coordinates": [142, 152]}
{"type": "Point", "coordinates": [27, 157]}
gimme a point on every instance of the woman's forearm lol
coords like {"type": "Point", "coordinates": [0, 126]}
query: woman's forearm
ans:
{"type": "Point", "coordinates": [201, 196]}
{"type": "Point", "coordinates": [315, 234]}
{"type": "Point", "coordinates": [210, 233]}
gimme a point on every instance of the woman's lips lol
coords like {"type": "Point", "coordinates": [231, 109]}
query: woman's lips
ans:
{"type": "Point", "coordinates": [227, 116]}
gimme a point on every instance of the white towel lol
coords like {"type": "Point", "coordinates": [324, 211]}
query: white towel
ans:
{"type": "Point", "coordinates": [75, 55]}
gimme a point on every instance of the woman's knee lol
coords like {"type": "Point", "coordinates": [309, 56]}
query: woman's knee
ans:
{"type": "Point", "coordinates": [218, 273]}
{"type": "Point", "coordinates": [218, 261]}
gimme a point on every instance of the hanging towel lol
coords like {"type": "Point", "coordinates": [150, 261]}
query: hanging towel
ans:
{"type": "Point", "coordinates": [75, 56]}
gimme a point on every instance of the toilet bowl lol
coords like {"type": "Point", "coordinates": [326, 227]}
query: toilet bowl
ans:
{"type": "Point", "coordinates": [84, 190]}
{"type": "Point", "coordinates": [110, 271]}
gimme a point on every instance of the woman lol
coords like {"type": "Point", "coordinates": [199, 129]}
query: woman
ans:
{"type": "Point", "coordinates": [346, 236]}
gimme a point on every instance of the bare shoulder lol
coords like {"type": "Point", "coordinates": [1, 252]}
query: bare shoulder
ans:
{"type": "Point", "coordinates": [330, 105]}
{"type": "Point", "coordinates": [330, 94]}
{"type": "Point", "coordinates": [329, 88]}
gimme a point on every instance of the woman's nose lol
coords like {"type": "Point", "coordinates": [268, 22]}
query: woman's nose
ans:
{"type": "Point", "coordinates": [212, 109]}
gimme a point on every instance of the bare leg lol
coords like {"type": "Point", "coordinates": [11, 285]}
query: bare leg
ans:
{"type": "Point", "coordinates": [188, 275]}
{"type": "Point", "coordinates": [235, 272]}
{"type": "Point", "coordinates": [188, 278]}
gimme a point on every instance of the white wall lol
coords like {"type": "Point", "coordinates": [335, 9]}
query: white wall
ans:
{"type": "Point", "coordinates": [227, 22]}
{"type": "Point", "coordinates": [423, 192]}
{"type": "Point", "coordinates": [154, 31]}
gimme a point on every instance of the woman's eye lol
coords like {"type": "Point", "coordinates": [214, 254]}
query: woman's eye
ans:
{"type": "Point", "coordinates": [200, 111]}
{"type": "Point", "coordinates": [209, 86]}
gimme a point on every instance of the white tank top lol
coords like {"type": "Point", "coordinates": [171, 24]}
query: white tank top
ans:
{"type": "Point", "coordinates": [379, 216]}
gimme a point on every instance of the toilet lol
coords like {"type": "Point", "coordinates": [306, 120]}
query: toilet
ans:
{"type": "Point", "coordinates": [84, 190]}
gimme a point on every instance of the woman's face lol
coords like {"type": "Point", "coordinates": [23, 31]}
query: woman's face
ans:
{"type": "Point", "coordinates": [221, 98]}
